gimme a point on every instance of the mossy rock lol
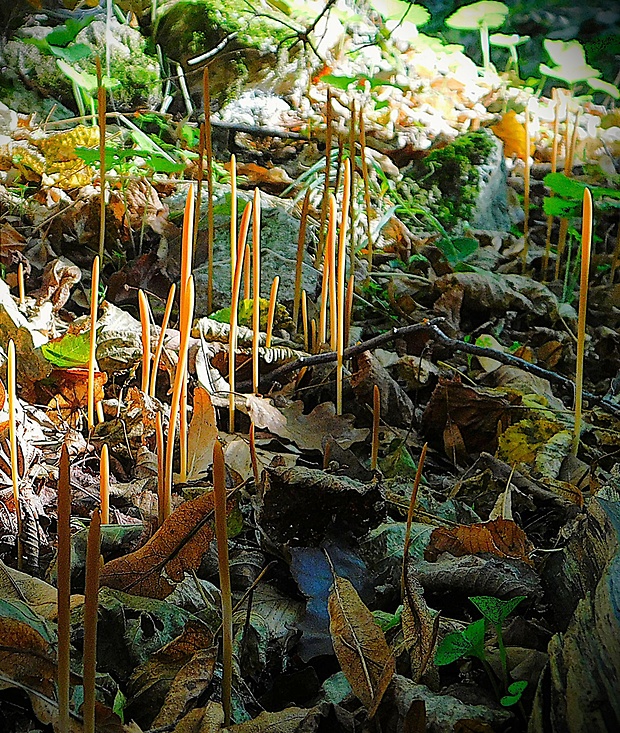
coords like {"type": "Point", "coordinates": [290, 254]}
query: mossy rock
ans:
{"type": "Point", "coordinates": [258, 48]}
{"type": "Point", "coordinates": [463, 183]}
{"type": "Point", "coordinates": [130, 64]}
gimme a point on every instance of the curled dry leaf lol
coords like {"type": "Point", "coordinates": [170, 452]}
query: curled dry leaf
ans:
{"type": "Point", "coordinates": [419, 625]}
{"type": "Point", "coordinates": [59, 276]}
{"type": "Point", "coordinates": [396, 406]}
{"type": "Point", "coordinates": [176, 548]}
{"type": "Point", "coordinates": [71, 398]}
{"type": "Point", "coordinates": [360, 645]}
{"type": "Point", "coordinates": [202, 435]}
{"type": "Point", "coordinates": [501, 537]}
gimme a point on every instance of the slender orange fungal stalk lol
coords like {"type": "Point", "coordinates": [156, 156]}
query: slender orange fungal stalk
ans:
{"type": "Point", "coordinates": [301, 241]}
{"type": "Point", "coordinates": [161, 471]}
{"type": "Point", "coordinates": [12, 404]}
{"type": "Point", "coordinates": [104, 484]}
{"type": "Point", "coordinates": [146, 340]}
{"type": "Point", "coordinates": [160, 341]}
{"type": "Point", "coordinates": [219, 491]}
{"type": "Point", "coordinates": [63, 574]}
{"type": "Point", "coordinates": [20, 284]}
{"type": "Point", "coordinates": [256, 288]}
{"type": "Point", "coordinates": [376, 417]}
{"type": "Point", "coordinates": [91, 608]}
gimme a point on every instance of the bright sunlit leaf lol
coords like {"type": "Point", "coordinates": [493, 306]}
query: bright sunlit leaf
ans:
{"type": "Point", "coordinates": [484, 13]}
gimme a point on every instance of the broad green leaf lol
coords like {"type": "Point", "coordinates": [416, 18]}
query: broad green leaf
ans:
{"type": "Point", "coordinates": [387, 621]}
{"type": "Point", "coordinates": [572, 189]}
{"type": "Point", "coordinates": [73, 53]}
{"type": "Point", "coordinates": [400, 9]}
{"type": "Point", "coordinates": [494, 609]}
{"type": "Point", "coordinates": [68, 351]}
{"type": "Point", "coordinates": [484, 13]}
{"type": "Point", "coordinates": [515, 690]}
{"type": "Point", "coordinates": [604, 86]}
{"type": "Point", "coordinates": [559, 207]}
{"type": "Point", "coordinates": [503, 40]}
{"type": "Point", "coordinates": [64, 34]}
{"type": "Point", "coordinates": [466, 643]}
{"type": "Point", "coordinates": [340, 82]}
{"type": "Point", "coordinates": [87, 82]}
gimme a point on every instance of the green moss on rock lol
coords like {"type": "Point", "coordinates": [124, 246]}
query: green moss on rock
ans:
{"type": "Point", "coordinates": [447, 181]}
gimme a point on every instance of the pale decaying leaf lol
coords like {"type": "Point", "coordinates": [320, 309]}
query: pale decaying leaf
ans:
{"type": "Point", "coordinates": [239, 459]}
{"type": "Point", "coordinates": [202, 435]}
{"type": "Point", "coordinates": [59, 276]}
{"type": "Point", "coordinates": [418, 623]}
{"type": "Point", "coordinates": [307, 431]}
{"type": "Point", "coordinates": [39, 595]}
{"type": "Point", "coordinates": [360, 645]}
{"type": "Point", "coordinates": [209, 719]}
{"type": "Point", "coordinates": [119, 339]}
{"type": "Point", "coordinates": [288, 720]}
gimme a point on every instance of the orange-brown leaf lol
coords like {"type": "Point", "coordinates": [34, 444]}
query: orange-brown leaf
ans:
{"type": "Point", "coordinates": [501, 537]}
{"type": "Point", "coordinates": [176, 548]}
{"type": "Point", "coordinates": [512, 133]}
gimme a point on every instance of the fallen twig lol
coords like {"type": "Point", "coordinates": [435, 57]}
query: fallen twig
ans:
{"type": "Point", "coordinates": [436, 334]}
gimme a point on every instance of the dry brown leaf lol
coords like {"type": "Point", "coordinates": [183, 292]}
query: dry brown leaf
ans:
{"type": "Point", "coordinates": [288, 720]}
{"type": "Point", "coordinates": [209, 719]}
{"type": "Point", "coordinates": [176, 548]}
{"type": "Point", "coordinates": [419, 625]}
{"type": "Point", "coordinates": [480, 414]}
{"type": "Point", "coordinates": [59, 276]}
{"type": "Point", "coordinates": [189, 683]}
{"type": "Point", "coordinates": [39, 595]}
{"type": "Point", "coordinates": [202, 435]}
{"type": "Point", "coordinates": [309, 431]}
{"type": "Point", "coordinates": [67, 405]}
{"type": "Point", "coordinates": [360, 645]}
{"type": "Point", "coordinates": [26, 658]}
{"type": "Point", "coordinates": [501, 537]}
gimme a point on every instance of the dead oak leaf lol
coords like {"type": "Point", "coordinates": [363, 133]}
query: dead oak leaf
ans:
{"type": "Point", "coordinates": [500, 537]}
{"type": "Point", "coordinates": [177, 547]}
{"type": "Point", "coordinates": [308, 432]}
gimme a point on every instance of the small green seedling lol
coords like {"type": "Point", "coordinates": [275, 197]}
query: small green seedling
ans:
{"type": "Point", "coordinates": [502, 40]}
{"type": "Point", "coordinates": [481, 16]}
{"type": "Point", "coordinates": [470, 642]}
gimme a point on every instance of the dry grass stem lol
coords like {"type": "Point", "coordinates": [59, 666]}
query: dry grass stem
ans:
{"type": "Point", "coordinates": [273, 301]}
{"type": "Point", "coordinates": [104, 484]}
{"type": "Point", "coordinates": [63, 570]}
{"type": "Point", "coordinates": [91, 607]}
{"type": "Point", "coordinates": [326, 186]}
{"type": "Point", "coordinates": [161, 339]}
{"type": "Point", "coordinates": [206, 89]}
{"type": "Point", "coordinates": [219, 490]}
{"type": "Point", "coordinates": [94, 298]}
{"type": "Point", "coordinates": [101, 114]}
{"type": "Point", "coordinates": [256, 264]}
{"type": "Point", "coordinates": [366, 181]}
{"type": "Point", "coordinates": [234, 314]}
{"type": "Point", "coordinates": [586, 246]}
{"type": "Point", "coordinates": [146, 339]}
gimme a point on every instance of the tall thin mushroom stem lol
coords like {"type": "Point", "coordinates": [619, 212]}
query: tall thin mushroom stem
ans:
{"type": "Point", "coordinates": [94, 298]}
{"type": "Point", "coordinates": [12, 390]}
{"type": "Point", "coordinates": [91, 607]}
{"type": "Point", "coordinates": [63, 573]}
{"type": "Point", "coordinates": [256, 289]}
{"type": "Point", "coordinates": [160, 341]}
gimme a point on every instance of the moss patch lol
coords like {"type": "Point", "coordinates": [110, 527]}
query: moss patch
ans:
{"type": "Point", "coordinates": [447, 181]}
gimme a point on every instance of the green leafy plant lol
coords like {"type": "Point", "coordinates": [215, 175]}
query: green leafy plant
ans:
{"type": "Point", "coordinates": [569, 196]}
{"type": "Point", "coordinates": [482, 16]}
{"type": "Point", "coordinates": [470, 642]}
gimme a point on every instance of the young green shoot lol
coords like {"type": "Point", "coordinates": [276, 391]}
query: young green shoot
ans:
{"type": "Point", "coordinates": [256, 290]}
{"type": "Point", "coordinates": [219, 491]}
{"type": "Point", "coordinates": [366, 181]}
{"type": "Point", "coordinates": [179, 378]}
{"type": "Point", "coordinates": [160, 341]}
{"type": "Point", "coordinates": [104, 484]}
{"type": "Point", "coordinates": [554, 168]}
{"type": "Point", "coordinates": [301, 242]}
{"type": "Point", "coordinates": [91, 607]}
{"type": "Point", "coordinates": [94, 298]}
{"type": "Point", "coordinates": [586, 243]}
{"type": "Point", "coordinates": [63, 570]}
{"type": "Point", "coordinates": [273, 301]}
{"type": "Point", "coordinates": [234, 313]}
{"type": "Point", "coordinates": [146, 339]}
